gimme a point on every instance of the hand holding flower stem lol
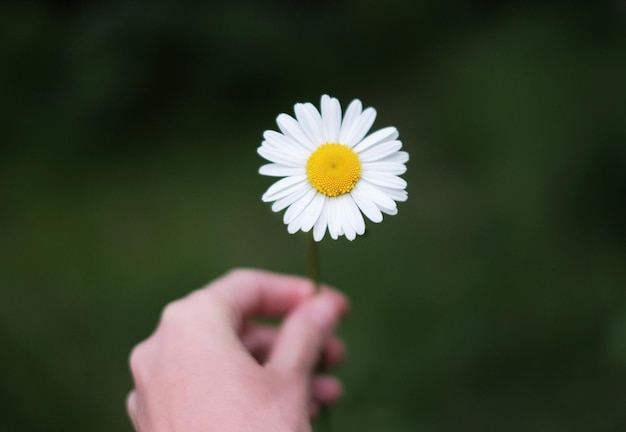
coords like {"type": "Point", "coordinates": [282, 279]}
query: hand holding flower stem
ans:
{"type": "Point", "coordinates": [314, 273]}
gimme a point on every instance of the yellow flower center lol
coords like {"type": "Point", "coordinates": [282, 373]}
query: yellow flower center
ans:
{"type": "Point", "coordinates": [333, 169]}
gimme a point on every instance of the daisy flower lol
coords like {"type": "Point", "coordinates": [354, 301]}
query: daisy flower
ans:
{"type": "Point", "coordinates": [333, 173]}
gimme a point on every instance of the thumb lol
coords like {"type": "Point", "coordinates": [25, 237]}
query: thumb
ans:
{"type": "Point", "coordinates": [305, 331]}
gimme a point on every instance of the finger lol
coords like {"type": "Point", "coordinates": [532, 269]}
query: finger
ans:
{"type": "Point", "coordinates": [240, 294]}
{"type": "Point", "coordinates": [326, 389]}
{"type": "Point", "coordinates": [259, 341]}
{"type": "Point", "coordinates": [131, 407]}
{"type": "Point", "coordinates": [247, 293]}
{"type": "Point", "coordinates": [220, 311]}
{"type": "Point", "coordinates": [305, 331]}
{"type": "Point", "coordinates": [334, 352]}
{"type": "Point", "coordinates": [314, 409]}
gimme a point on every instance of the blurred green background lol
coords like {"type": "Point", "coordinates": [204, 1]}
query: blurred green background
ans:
{"type": "Point", "coordinates": [495, 300]}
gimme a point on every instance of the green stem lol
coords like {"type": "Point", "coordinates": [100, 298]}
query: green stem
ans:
{"type": "Point", "coordinates": [323, 421]}
{"type": "Point", "coordinates": [313, 262]}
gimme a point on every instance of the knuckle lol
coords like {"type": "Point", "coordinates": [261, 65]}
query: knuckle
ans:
{"type": "Point", "coordinates": [130, 403]}
{"type": "Point", "coordinates": [239, 274]}
{"type": "Point", "coordinates": [137, 361]}
{"type": "Point", "coordinates": [133, 408]}
{"type": "Point", "coordinates": [171, 312]}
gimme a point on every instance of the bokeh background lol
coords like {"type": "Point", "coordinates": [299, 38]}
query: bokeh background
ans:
{"type": "Point", "coordinates": [495, 300]}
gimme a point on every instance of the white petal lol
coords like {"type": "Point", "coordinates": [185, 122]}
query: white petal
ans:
{"type": "Point", "coordinates": [349, 121]}
{"type": "Point", "coordinates": [312, 213]}
{"type": "Point", "coordinates": [376, 195]}
{"type": "Point", "coordinates": [380, 136]}
{"type": "Point", "coordinates": [399, 157]}
{"type": "Point", "coordinates": [319, 229]}
{"type": "Point", "coordinates": [391, 212]}
{"type": "Point", "coordinates": [310, 121]}
{"type": "Point", "coordinates": [385, 180]}
{"type": "Point", "coordinates": [362, 127]}
{"type": "Point", "coordinates": [366, 205]}
{"type": "Point", "coordinates": [282, 142]}
{"type": "Point", "coordinates": [355, 216]}
{"type": "Point", "coordinates": [294, 196]}
{"type": "Point", "coordinates": [399, 195]}
{"type": "Point", "coordinates": [290, 127]}
{"type": "Point", "coordinates": [331, 118]}
{"type": "Point", "coordinates": [299, 206]}
{"type": "Point", "coordinates": [276, 170]}
{"type": "Point", "coordinates": [346, 223]}
{"type": "Point", "coordinates": [280, 157]}
{"type": "Point", "coordinates": [296, 224]}
{"type": "Point", "coordinates": [380, 151]}
{"type": "Point", "coordinates": [293, 150]}
{"type": "Point", "coordinates": [334, 221]}
{"type": "Point", "coordinates": [383, 167]}
{"type": "Point", "coordinates": [284, 187]}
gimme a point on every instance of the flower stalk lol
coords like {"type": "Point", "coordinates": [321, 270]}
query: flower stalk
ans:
{"type": "Point", "coordinates": [323, 422]}
{"type": "Point", "coordinates": [313, 262]}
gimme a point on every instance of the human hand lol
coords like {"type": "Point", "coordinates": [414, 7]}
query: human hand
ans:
{"type": "Point", "coordinates": [209, 367]}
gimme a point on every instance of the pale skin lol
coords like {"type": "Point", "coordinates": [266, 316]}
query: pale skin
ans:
{"type": "Point", "coordinates": [209, 367]}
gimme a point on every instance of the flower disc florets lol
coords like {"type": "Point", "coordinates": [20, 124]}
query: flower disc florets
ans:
{"type": "Point", "coordinates": [333, 169]}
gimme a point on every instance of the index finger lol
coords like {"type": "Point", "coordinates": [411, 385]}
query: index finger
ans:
{"type": "Point", "coordinates": [246, 293]}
